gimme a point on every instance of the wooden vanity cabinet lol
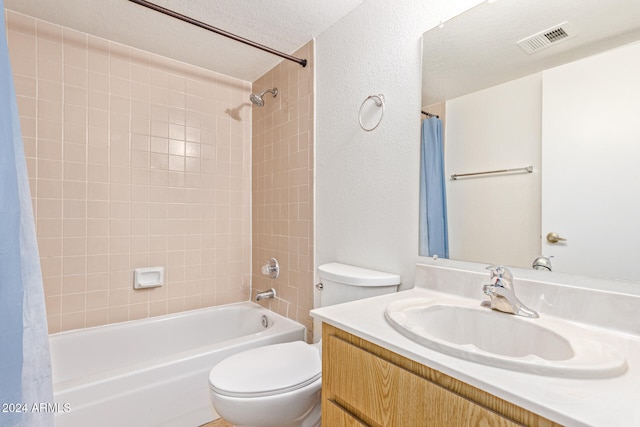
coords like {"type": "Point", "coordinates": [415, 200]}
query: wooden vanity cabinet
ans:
{"type": "Point", "coordinates": [366, 385]}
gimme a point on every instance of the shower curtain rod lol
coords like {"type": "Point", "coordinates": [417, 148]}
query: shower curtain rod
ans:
{"type": "Point", "coordinates": [216, 30]}
{"type": "Point", "coordinates": [429, 114]}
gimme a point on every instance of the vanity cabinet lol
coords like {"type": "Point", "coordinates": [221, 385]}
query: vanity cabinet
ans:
{"type": "Point", "coordinates": [366, 385]}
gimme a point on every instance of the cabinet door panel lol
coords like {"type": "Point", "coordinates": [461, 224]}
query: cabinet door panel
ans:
{"type": "Point", "coordinates": [384, 394]}
{"type": "Point", "coordinates": [335, 416]}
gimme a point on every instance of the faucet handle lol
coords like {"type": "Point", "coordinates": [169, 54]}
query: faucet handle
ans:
{"type": "Point", "coordinates": [498, 270]}
{"type": "Point", "coordinates": [499, 274]}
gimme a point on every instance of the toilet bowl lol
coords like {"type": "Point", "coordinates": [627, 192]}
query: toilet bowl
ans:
{"type": "Point", "coordinates": [279, 385]}
{"type": "Point", "coordinates": [272, 386]}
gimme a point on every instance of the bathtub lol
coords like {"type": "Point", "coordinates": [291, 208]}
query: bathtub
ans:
{"type": "Point", "coordinates": [154, 372]}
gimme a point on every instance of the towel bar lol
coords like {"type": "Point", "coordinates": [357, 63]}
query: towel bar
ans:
{"type": "Point", "coordinates": [527, 169]}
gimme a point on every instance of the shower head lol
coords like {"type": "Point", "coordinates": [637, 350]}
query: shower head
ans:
{"type": "Point", "coordinates": [259, 100]}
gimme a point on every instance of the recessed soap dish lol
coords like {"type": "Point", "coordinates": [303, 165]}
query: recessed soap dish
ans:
{"type": "Point", "coordinates": [151, 277]}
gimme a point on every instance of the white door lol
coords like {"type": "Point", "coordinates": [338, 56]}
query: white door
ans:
{"type": "Point", "coordinates": [591, 165]}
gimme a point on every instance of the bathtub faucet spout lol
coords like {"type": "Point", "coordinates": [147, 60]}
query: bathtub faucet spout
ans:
{"type": "Point", "coordinates": [271, 293]}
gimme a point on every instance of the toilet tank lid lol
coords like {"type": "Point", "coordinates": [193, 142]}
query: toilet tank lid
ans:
{"type": "Point", "coordinates": [352, 275]}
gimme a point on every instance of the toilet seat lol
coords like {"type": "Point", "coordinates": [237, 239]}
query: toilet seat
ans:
{"type": "Point", "coordinates": [267, 371]}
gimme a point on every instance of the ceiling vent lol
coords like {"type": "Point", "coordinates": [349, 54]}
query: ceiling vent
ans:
{"type": "Point", "coordinates": [546, 38]}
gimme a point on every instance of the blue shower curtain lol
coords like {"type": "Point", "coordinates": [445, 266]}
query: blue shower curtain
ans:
{"type": "Point", "coordinates": [434, 239]}
{"type": "Point", "coordinates": [25, 364]}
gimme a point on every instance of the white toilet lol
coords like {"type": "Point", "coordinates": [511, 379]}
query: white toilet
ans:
{"type": "Point", "coordinates": [279, 385]}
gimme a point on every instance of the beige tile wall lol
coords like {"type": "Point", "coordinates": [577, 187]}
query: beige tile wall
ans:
{"type": "Point", "coordinates": [282, 212]}
{"type": "Point", "coordinates": [136, 161]}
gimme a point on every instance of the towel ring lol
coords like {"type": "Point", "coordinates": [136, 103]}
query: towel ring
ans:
{"type": "Point", "coordinates": [379, 102]}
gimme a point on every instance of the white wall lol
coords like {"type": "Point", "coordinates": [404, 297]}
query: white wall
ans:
{"type": "Point", "coordinates": [367, 182]}
{"type": "Point", "coordinates": [495, 218]}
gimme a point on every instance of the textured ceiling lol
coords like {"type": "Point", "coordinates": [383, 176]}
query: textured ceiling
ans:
{"type": "Point", "coordinates": [478, 49]}
{"type": "Point", "coordinates": [284, 25]}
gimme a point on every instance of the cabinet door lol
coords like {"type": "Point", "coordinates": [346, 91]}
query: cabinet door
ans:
{"type": "Point", "coordinates": [335, 416]}
{"type": "Point", "coordinates": [383, 394]}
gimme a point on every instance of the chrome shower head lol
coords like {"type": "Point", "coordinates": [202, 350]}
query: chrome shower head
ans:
{"type": "Point", "coordinates": [259, 100]}
{"type": "Point", "coordinates": [256, 100]}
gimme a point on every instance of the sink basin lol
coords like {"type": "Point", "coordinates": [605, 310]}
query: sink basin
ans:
{"type": "Point", "coordinates": [543, 346]}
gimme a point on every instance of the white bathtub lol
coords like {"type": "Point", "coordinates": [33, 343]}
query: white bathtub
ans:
{"type": "Point", "coordinates": [154, 372]}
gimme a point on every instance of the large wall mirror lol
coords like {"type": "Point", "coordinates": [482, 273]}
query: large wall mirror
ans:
{"type": "Point", "coordinates": [562, 108]}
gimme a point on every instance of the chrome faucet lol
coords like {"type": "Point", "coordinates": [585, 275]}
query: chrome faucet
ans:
{"type": "Point", "coordinates": [542, 263]}
{"type": "Point", "coordinates": [503, 297]}
{"type": "Point", "coordinates": [271, 293]}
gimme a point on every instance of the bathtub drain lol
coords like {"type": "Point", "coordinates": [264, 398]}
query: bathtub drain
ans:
{"type": "Point", "coordinates": [265, 321]}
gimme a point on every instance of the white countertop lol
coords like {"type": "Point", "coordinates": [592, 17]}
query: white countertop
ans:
{"type": "Point", "coordinates": [572, 402]}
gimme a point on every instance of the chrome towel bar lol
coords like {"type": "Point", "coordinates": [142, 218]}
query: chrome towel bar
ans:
{"type": "Point", "coordinates": [527, 169]}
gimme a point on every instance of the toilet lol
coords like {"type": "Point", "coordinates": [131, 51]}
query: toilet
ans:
{"type": "Point", "coordinates": [279, 385]}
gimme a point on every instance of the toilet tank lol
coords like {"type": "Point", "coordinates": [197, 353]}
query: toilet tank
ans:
{"type": "Point", "coordinates": [344, 283]}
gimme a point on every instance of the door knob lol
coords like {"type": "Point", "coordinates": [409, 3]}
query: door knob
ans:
{"type": "Point", "coordinates": [554, 237]}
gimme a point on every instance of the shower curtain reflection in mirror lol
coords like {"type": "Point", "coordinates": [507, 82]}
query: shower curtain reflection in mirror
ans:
{"type": "Point", "coordinates": [433, 240]}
